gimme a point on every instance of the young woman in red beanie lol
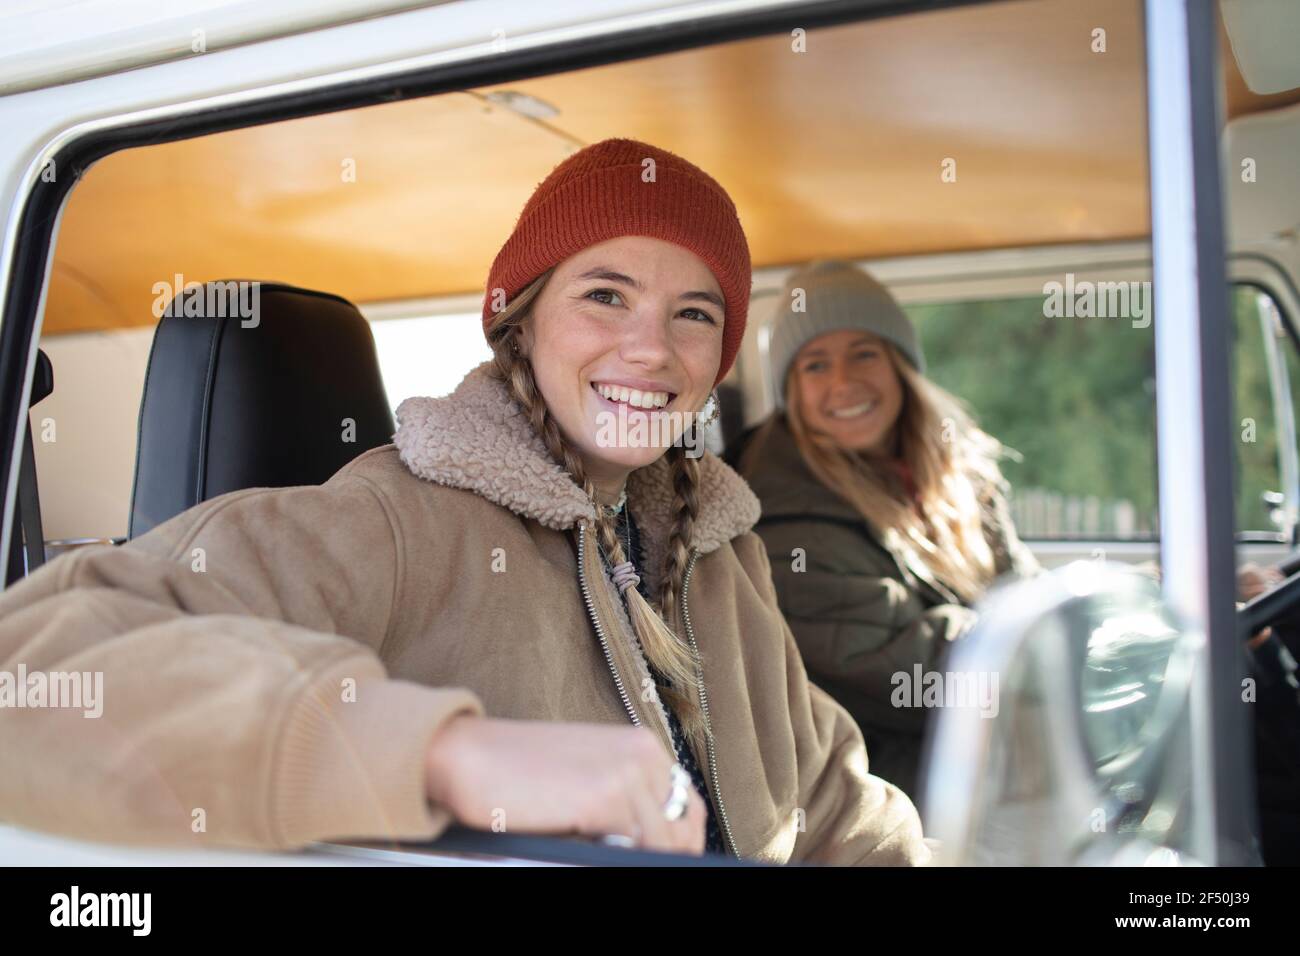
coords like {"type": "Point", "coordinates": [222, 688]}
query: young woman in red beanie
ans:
{"type": "Point", "coordinates": [523, 615]}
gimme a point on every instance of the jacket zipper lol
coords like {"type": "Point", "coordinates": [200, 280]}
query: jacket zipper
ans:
{"type": "Point", "coordinates": [704, 709]}
{"type": "Point", "coordinates": [600, 631]}
{"type": "Point", "coordinates": [622, 691]}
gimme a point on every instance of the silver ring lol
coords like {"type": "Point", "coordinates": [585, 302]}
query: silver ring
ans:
{"type": "Point", "coordinates": [675, 807]}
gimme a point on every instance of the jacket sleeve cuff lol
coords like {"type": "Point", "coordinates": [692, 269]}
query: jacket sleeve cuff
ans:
{"type": "Point", "coordinates": [355, 769]}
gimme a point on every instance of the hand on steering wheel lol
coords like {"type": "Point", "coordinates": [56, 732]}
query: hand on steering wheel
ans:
{"type": "Point", "coordinates": [1253, 580]}
{"type": "Point", "coordinates": [1270, 594]}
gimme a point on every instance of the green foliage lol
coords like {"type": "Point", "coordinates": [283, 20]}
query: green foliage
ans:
{"type": "Point", "coordinates": [1075, 397]}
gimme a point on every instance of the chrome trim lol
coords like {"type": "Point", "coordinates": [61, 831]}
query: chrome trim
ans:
{"type": "Point", "coordinates": [1193, 440]}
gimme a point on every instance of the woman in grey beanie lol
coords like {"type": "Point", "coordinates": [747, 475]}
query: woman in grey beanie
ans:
{"type": "Point", "coordinates": [884, 513]}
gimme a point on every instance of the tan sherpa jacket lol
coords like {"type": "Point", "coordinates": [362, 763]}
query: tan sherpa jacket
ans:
{"type": "Point", "coordinates": [276, 661]}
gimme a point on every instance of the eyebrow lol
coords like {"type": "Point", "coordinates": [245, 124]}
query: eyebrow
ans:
{"type": "Point", "coordinates": [619, 278]}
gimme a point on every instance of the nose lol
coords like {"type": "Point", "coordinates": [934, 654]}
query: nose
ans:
{"type": "Point", "coordinates": [646, 340]}
{"type": "Point", "coordinates": [845, 387]}
{"type": "Point", "coordinates": [842, 379]}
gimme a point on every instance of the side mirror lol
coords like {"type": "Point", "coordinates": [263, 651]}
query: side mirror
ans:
{"type": "Point", "coordinates": [1279, 515]}
{"type": "Point", "coordinates": [1085, 756]}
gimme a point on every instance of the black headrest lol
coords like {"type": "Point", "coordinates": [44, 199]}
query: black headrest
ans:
{"type": "Point", "coordinates": [253, 385]}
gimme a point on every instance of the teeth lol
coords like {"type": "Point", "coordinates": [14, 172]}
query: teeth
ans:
{"type": "Point", "coordinates": [632, 396]}
{"type": "Point", "coordinates": [853, 412]}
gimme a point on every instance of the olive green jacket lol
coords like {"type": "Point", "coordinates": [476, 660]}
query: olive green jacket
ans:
{"type": "Point", "coordinates": [861, 612]}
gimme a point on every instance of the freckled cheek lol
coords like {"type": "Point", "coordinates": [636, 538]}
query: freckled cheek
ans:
{"type": "Point", "coordinates": [579, 341]}
{"type": "Point", "coordinates": [696, 346]}
{"type": "Point", "coordinates": [813, 398]}
{"type": "Point", "coordinates": [572, 352]}
{"type": "Point", "coordinates": [700, 376]}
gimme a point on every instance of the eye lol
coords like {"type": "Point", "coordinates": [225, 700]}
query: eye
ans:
{"type": "Point", "coordinates": [605, 296]}
{"type": "Point", "coordinates": [867, 354]}
{"type": "Point", "coordinates": [816, 366]}
{"type": "Point", "coordinates": [699, 316]}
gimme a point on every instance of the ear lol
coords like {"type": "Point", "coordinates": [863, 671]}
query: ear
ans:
{"type": "Point", "coordinates": [523, 336]}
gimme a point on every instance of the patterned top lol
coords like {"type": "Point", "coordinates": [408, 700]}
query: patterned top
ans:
{"type": "Point", "coordinates": [626, 530]}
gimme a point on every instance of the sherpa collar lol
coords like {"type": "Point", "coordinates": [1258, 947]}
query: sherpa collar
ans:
{"type": "Point", "coordinates": [477, 438]}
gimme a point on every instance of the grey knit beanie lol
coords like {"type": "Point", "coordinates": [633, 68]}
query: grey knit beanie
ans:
{"type": "Point", "coordinates": [836, 296]}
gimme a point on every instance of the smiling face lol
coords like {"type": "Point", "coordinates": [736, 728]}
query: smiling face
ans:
{"type": "Point", "coordinates": [848, 389]}
{"type": "Point", "coordinates": [628, 327]}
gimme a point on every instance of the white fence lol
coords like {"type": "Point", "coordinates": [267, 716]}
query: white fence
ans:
{"type": "Point", "coordinates": [1039, 513]}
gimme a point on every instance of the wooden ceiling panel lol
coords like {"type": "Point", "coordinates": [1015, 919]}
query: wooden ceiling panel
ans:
{"type": "Point", "coordinates": [833, 151]}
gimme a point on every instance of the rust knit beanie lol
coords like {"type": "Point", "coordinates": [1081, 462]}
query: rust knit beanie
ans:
{"type": "Point", "coordinates": [622, 187]}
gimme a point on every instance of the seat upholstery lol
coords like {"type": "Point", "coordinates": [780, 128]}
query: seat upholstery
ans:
{"type": "Point", "coordinates": [253, 385]}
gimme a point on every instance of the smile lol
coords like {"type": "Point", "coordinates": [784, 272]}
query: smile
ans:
{"type": "Point", "coordinates": [634, 397]}
{"type": "Point", "coordinates": [853, 411]}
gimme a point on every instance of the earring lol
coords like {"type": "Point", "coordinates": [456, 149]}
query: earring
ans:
{"type": "Point", "coordinates": [713, 413]}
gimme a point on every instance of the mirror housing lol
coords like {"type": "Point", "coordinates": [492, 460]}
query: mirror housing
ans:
{"type": "Point", "coordinates": [1085, 757]}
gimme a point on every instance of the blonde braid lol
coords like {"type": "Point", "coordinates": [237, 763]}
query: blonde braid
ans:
{"type": "Point", "coordinates": [685, 472]}
{"type": "Point", "coordinates": [686, 504]}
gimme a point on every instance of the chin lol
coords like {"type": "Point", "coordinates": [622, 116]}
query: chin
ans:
{"type": "Point", "coordinates": [630, 458]}
{"type": "Point", "coordinates": [850, 439]}
{"type": "Point", "coordinates": [645, 441]}
{"type": "Point", "coordinates": [857, 441]}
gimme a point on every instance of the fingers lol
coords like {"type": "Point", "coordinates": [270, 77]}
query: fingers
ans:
{"type": "Point", "coordinates": [626, 801]}
{"type": "Point", "coordinates": [683, 835]}
{"type": "Point", "coordinates": [558, 778]}
{"type": "Point", "coordinates": [1253, 580]}
{"type": "Point", "coordinates": [1260, 638]}
{"type": "Point", "coordinates": [657, 832]}
{"type": "Point", "coordinates": [694, 821]}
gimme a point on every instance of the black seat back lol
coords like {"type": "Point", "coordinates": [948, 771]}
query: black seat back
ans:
{"type": "Point", "coordinates": [253, 385]}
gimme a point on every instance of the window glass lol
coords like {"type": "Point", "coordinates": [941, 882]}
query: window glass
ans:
{"type": "Point", "coordinates": [1073, 397]}
{"type": "Point", "coordinates": [1259, 341]}
{"type": "Point", "coordinates": [428, 355]}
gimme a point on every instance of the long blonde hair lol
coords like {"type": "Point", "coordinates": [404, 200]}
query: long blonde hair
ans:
{"type": "Point", "coordinates": [672, 657]}
{"type": "Point", "coordinates": [953, 465]}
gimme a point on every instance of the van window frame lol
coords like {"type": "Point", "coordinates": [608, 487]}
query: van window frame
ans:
{"type": "Point", "coordinates": [1284, 393]}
